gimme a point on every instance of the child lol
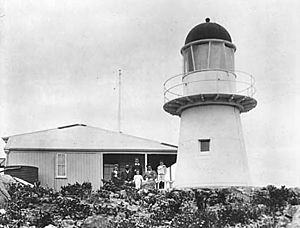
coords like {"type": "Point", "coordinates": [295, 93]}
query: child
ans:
{"type": "Point", "coordinates": [138, 180]}
{"type": "Point", "coordinates": [161, 170]}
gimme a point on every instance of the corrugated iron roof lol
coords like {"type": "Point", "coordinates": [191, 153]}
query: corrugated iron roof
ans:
{"type": "Point", "coordinates": [83, 137]}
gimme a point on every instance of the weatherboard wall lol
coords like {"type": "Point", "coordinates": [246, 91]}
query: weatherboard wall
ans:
{"type": "Point", "coordinates": [81, 166]}
{"type": "Point", "coordinates": [45, 161]}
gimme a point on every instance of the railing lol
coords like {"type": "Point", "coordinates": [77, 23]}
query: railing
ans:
{"type": "Point", "coordinates": [243, 82]}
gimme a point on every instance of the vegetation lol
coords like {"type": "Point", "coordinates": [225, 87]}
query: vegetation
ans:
{"type": "Point", "coordinates": [124, 207]}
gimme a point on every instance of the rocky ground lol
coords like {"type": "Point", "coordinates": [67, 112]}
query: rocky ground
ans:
{"type": "Point", "coordinates": [111, 206]}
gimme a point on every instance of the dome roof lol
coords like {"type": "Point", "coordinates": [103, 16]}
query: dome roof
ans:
{"type": "Point", "coordinates": [207, 30]}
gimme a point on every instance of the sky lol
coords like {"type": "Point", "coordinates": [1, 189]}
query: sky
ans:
{"type": "Point", "coordinates": [59, 62]}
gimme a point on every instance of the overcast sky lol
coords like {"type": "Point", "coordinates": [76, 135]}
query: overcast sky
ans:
{"type": "Point", "coordinates": [59, 64]}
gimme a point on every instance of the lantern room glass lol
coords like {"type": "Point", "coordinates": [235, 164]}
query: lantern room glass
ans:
{"type": "Point", "coordinates": [208, 55]}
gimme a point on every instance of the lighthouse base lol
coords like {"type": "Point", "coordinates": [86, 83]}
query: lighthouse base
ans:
{"type": "Point", "coordinates": [211, 150]}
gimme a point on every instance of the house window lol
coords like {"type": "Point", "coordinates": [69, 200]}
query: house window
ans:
{"type": "Point", "coordinates": [204, 145]}
{"type": "Point", "coordinates": [61, 166]}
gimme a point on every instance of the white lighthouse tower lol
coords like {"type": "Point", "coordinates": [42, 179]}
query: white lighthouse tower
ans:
{"type": "Point", "coordinates": [209, 96]}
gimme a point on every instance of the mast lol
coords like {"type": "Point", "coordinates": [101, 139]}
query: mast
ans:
{"type": "Point", "coordinates": [119, 101]}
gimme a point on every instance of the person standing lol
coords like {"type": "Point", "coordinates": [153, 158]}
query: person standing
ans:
{"type": "Point", "coordinates": [138, 180]}
{"type": "Point", "coordinates": [150, 177]}
{"type": "Point", "coordinates": [127, 175]}
{"type": "Point", "coordinates": [137, 166]}
{"type": "Point", "coordinates": [161, 171]}
{"type": "Point", "coordinates": [116, 176]}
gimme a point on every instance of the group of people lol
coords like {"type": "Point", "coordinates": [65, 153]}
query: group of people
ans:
{"type": "Point", "coordinates": [134, 176]}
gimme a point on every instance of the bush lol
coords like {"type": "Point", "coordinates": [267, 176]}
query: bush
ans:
{"type": "Point", "coordinates": [78, 190]}
{"type": "Point", "coordinates": [275, 199]}
{"type": "Point", "coordinates": [108, 185]}
{"type": "Point", "coordinates": [124, 206]}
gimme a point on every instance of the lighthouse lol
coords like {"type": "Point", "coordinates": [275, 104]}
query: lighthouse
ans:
{"type": "Point", "coordinates": [209, 97]}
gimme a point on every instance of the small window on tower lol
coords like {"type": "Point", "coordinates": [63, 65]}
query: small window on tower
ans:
{"type": "Point", "coordinates": [204, 145]}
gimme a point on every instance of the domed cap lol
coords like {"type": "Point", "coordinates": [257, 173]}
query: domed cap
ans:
{"type": "Point", "coordinates": [207, 30]}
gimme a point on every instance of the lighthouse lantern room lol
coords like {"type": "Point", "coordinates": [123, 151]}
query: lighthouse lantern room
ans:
{"type": "Point", "coordinates": [209, 97]}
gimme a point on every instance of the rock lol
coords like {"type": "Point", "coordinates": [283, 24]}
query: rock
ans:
{"type": "Point", "coordinates": [116, 195]}
{"type": "Point", "coordinates": [111, 195]}
{"type": "Point", "coordinates": [290, 210]}
{"type": "Point", "coordinates": [50, 226]}
{"type": "Point", "coordinates": [7, 179]}
{"type": "Point", "coordinates": [68, 223]}
{"type": "Point", "coordinates": [79, 223]}
{"type": "Point", "coordinates": [95, 222]}
{"type": "Point", "coordinates": [4, 195]}
{"type": "Point", "coordinates": [151, 194]}
{"type": "Point", "coordinates": [123, 193]}
{"type": "Point", "coordinates": [283, 222]}
{"type": "Point", "coordinates": [296, 219]}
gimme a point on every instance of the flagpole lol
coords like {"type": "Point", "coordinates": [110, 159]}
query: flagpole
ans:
{"type": "Point", "coordinates": [119, 103]}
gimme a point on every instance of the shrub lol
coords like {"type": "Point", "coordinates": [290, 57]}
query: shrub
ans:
{"type": "Point", "coordinates": [275, 199]}
{"type": "Point", "coordinates": [226, 207]}
{"type": "Point", "coordinates": [79, 190]}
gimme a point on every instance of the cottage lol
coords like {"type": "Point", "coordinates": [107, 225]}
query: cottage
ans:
{"type": "Point", "coordinates": [79, 153]}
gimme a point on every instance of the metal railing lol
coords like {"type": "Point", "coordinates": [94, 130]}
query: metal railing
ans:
{"type": "Point", "coordinates": [174, 86]}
